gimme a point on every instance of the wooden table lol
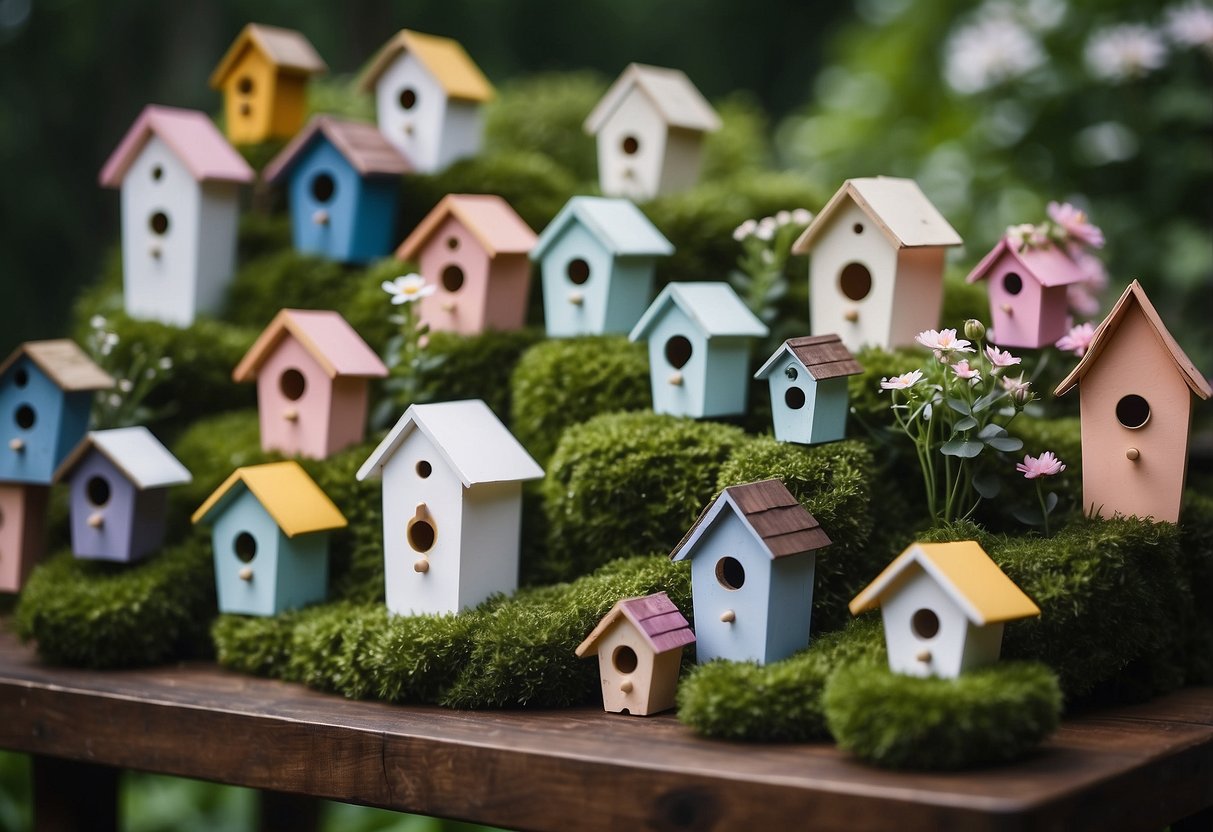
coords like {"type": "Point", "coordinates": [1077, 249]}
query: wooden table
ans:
{"type": "Point", "coordinates": [1138, 767]}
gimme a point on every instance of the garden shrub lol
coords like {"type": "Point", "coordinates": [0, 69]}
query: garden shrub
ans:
{"type": "Point", "coordinates": [211, 448]}
{"type": "Point", "coordinates": [287, 279]}
{"type": "Point", "coordinates": [475, 367]}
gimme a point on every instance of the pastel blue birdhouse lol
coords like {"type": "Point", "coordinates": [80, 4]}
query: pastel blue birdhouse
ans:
{"type": "Point", "coordinates": [343, 186]}
{"type": "Point", "coordinates": [597, 257]}
{"type": "Point", "coordinates": [46, 393]}
{"type": "Point", "coordinates": [753, 556]}
{"type": "Point", "coordinates": [270, 532]}
{"type": "Point", "coordinates": [699, 349]}
{"type": "Point", "coordinates": [808, 381]}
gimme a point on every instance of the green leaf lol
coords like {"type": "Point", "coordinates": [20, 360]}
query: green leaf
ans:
{"type": "Point", "coordinates": [1051, 501]}
{"type": "Point", "coordinates": [1005, 443]}
{"type": "Point", "coordinates": [1028, 516]}
{"type": "Point", "coordinates": [967, 423]}
{"type": "Point", "coordinates": [959, 405]}
{"type": "Point", "coordinates": [991, 431]}
{"type": "Point", "coordinates": [962, 448]}
{"type": "Point", "coordinates": [987, 484]}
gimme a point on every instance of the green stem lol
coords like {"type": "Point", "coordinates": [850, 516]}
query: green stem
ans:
{"type": "Point", "coordinates": [1044, 512]}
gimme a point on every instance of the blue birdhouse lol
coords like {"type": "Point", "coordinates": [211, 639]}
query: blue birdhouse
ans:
{"type": "Point", "coordinates": [46, 393]}
{"type": "Point", "coordinates": [699, 349]}
{"type": "Point", "coordinates": [808, 381]}
{"type": "Point", "coordinates": [753, 557]}
{"type": "Point", "coordinates": [597, 257]}
{"type": "Point", "coordinates": [343, 186]}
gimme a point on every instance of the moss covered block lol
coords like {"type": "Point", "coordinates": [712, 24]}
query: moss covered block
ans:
{"type": "Point", "coordinates": [986, 716]}
{"type": "Point", "coordinates": [559, 383]}
{"type": "Point", "coordinates": [475, 367]}
{"type": "Point", "coordinates": [286, 279]}
{"type": "Point", "coordinates": [211, 448]}
{"type": "Point", "coordinates": [260, 646]}
{"type": "Point", "coordinates": [627, 482]}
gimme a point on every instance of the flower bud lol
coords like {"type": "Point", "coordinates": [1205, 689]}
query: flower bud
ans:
{"type": "Point", "coordinates": [975, 330]}
{"type": "Point", "coordinates": [1022, 396]}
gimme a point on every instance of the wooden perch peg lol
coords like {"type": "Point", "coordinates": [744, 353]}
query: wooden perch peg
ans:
{"type": "Point", "coordinates": [422, 565]}
{"type": "Point", "coordinates": [154, 251]}
{"type": "Point", "coordinates": [923, 656]}
{"type": "Point", "coordinates": [576, 298]}
{"type": "Point", "coordinates": [1008, 309]}
{"type": "Point", "coordinates": [16, 444]}
{"type": "Point", "coordinates": [291, 414]}
{"type": "Point", "coordinates": [676, 378]}
{"type": "Point", "coordinates": [852, 315]}
{"type": "Point", "coordinates": [1133, 454]}
{"type": "Point", "coordinates": [96, 520]}
{"type": "Point", "coordinates": [246, 573]}
{"type": "Point", "coordinates": [728, 616]}
{"type": "Point", "coordinates": [448, 306]}
{"type": "Point", "coordinates": [321, 217]}
{"type": "Point", "coordinates": [626, 686]}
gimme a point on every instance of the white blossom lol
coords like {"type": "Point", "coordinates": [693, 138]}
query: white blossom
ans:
{"type": "Point", "coordinates": [97, 322]}
{"type": "Point", "coordinates": [989, 51]}
{"type": "Point", "coordinates": [125, 385]}
{"type": "Point", "coordinates": [1190, 24]}
{"type": "Point", "coordinates": [744, 230]}
{"type": "Point", "coordinates": [802, 216]}
{"type": "Point", "coordinates": [1130, 50]}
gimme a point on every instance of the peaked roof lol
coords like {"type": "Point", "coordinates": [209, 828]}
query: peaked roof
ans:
{"type": "Point", "coordinates": [654, 616]}
{"type": "Point", "coordinates": [777, 520]}
{"type": "Point", "coordinates": [446, 60]}
{"type": "Point", "coordinates": [713, 306]}
{"type": "Point", "coordinates": [898, 207]}
{"type": "Point", "coordinates": [822, 356]}
{"type": "Point", "coordinates": [965, 572]}
{"type": "Point", "coordinates": [64, 363]}
{"type": "Point", "coordinates": [472, 440]}
{"type": "Point", "coordinates": [1135, 297]}
{"type": "Point", "coordinates": [617, 223]}
{"type": "Point", "coordinates": [361, 144]}
{"type": "Point", "coordinates": [133, 451]}
{"type": "Point", "coordinates": [192, 137]}
{"type": "Point", "coordinates": [1047, 265]}
{"type": "Point", "coordinates": [489, 218]}
{"type": "Point", "coordinates": [678, 101]}
{"type": "Point", "coordinates": [287, 49]}
{"type": "Point", "coordinates": [284, 489]}
{"type": "Point", "coordinates": [328, 338]}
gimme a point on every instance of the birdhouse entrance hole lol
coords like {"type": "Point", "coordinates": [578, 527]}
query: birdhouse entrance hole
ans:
{"type": "Point", "coordinates": [424, 468]}
{"type": "Point", "coordinates": [323, 187]}
{"type": "Point", "coordinates": [730, 573]}
{"type": "Point", "coordinates": [794, 398]}
{"type": "Point", "coordinates": [25, 417]}
{"type": "Point", "coordinates": [408, 98]}
{"type": "Point", "coordinates": [21, 377]}
{"type": "Point", "coordinates": [452, 278]}
{"type": "Point", "coordinates": [245, 85]}
{"type": "Point", "coordinates": [245, 547]}
{"type": "Point", "coordinates": [98, 491]}
{"type": "Point", "coordinates": [855, 281]}
{"type": "Point", "coordinates": [624, 659]}
{"type": "Point", "coordinates": [1133, 411]}
{"type": "Point", "coordinates": [421, 535]}
{"type": "Point", "coordinates": [158, 222]}
{"type": "Point", "coordinates": [678, 352]}
{"type": "Point", "coordinates": [925, 624]}
{"type": "Point", "coordinates": [292, 384]}
{"type": "Point", "coordinates": [578, 271]}
{"type": "Point", "coordinates": [630, 145]}
{"type": "Point", "coordinates": [1012, 283]}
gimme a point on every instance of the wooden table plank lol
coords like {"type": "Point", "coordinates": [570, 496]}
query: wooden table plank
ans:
{"type": "Point", "coordinates": [1131, 767]}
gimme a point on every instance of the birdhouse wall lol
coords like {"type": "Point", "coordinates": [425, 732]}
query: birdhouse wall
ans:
{"type": "Point", "coordinates": [635, 175]}
{"type": "Point", "coordinates": [215, 255]}
{"type": "Point", "coordinates": [629, 294]}
{"type": "Point", "coordinates": [323, 219]}
{"type": "Point", "coordinates": [303, 570]}
{"type": "Point", "coordinates": [259, 595]}
{"type": "Point", "coordinates": [249, 93]}
{"type": "Point", "coordinates": [98, 489]}
{"type": "Point", "coordinates": [347, 425]}
{"type": "Point", "coordinates": [688, 397]}
{"type": "Point", "coordinates": [830, 411]}
{"type": "Point", "coordinates": [917, 295]}
{"type": "Point", "coordinates": [509, 286]}
{"type": "Point", "coordinates": [492, 528]}
{"type": "Point", "coordinates": [1014, 316]}
{"type": "Point", "coordinates": [745, 638]}
{"type": "Point", "coordinates": [375, 219]}
{"type": "Point", "coordinates": [417, 131]}
{"type": "Point", "coordinates": [794, 421]}
{"type": "Point", "coordinates": [727, 385]}
{"type": "Point", "coordinates": [22, 532]}
{"type": "Point", "coordinates": [1134, 363]}
{"type": "Point", "coordinates": [32, 416]}
{"type": "Point", "coordinates": [280, 394]}
{"type": "Point", "coordinates": [654, 678]}
{"type": "Point", "coordinates": [289, 109]}
{"type": "Point", "coordinates": [899, 605]}
{"type": "Point", "coordinates": [563, 317]}
{"type": "Point", "coordinates": [683, 159]}
{"type": "Point", "coordinates": [462, 132]}
{"type": "Point", "coordinates": [458, 304]}
{"type": "Point", "coordinates": [790, 606]}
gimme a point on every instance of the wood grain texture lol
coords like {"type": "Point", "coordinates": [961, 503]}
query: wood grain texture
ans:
{"type": "Point", "coordinates": [1126, 768]}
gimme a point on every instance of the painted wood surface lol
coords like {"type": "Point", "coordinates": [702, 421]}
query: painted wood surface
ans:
{"type": "Point", "coordinates": [22, 532]}
{"type": "Point", "coordinates": [1027, 290]}
{"type": "Point", "coordinates": [40, 423]}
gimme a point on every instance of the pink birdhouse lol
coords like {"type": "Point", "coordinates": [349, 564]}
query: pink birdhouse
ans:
{"type": "Point", "coordinates": [1135, 397]}
{"type": "Point", "coordinates": [22, 532]}
{"type": "Point", "coordinates": [473, 248]}
{"type": "Point", "coordinates": [312, 370]}
{"type": "Point", "coordinates": [1027, 286]}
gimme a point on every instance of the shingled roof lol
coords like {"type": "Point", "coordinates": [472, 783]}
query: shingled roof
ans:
{"type": "Point", "coordinates": [326, 335]}
{"type": "Point", "coordinates": [190, 135]}
{"type": "Point", "coordinates": [678, 101]}
{"type": "Point", "coordinates": [1047, 265]}
{"type": "Point", "coordinates": [287, 49]}
{"type": "Point", "coordinates": [897, 207]}
{"type": "Point", "coordinates": [445, 59]}
{"type": "Point", "coordinates": [822, 356]}
{"type": "Point", "coordinates": [654, 616]}
{"type": "Point", "coordinates": [362, 145]}
{"type": "Point", "coordinates": [488, 217]}
{"type": "Point", "coordinates": [68, 366]}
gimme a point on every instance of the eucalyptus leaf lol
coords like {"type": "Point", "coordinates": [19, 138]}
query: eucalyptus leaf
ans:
{"type": "Point", "coordinates": [1029, 516]}
{"type": "Point", "coordinates": [1051, 501]}
{"type": "Point", "coordinates": [991, 431]}
{"type": "Point", "coordinates": [962, 448]}
{"type": "Point", "coordinates": [987, 484]}
{"type": "Point", "coordinates": [1005, 443]}
{"type": "Point", "coordinates": [967, 423]}
{"type": "Point", "coordinates": [959, 405]}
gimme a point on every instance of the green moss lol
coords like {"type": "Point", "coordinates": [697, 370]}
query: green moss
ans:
{"type": "Point", "coordinates": [559, 383]}
{"type": "Point", "coordinates": [211, 448]}
{"type": "Point", "coordinates": [287, 279]}
{"type": "Point", "coordinates": [962, 301]}
{"type": "Point", "coordinates": [628, 482]}
{"type": "Point", "coordinates": [476, 367]}
{"type": "Point", "coordinates": [869, 405]}
{"type": "Point", "coordinates": [740, 146]}
{"type": "Point", "coordinates": [986, 716]}
{"type": "Point", "coordinates": [263, 235]}
{"type": "Point", "coordinates": [257, 645]}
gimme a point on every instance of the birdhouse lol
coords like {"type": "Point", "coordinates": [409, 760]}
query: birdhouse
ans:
{"type": "Point", "coordinates": [180, 183]}
{"type": "Point", "coordinates": [452, 506]}
{"type": "Point", "coordinates": [753, 556]}
{"type": "Point", "coordinates": [808, 381]}
{"type": "Point", "coordinates": [46, 393]}
{"type": "Point", "coordinates": [429, 98]}
{"type": "Point", "coordinates": [944, 606]}
{"type": "Point", "coordinates": [22, 532]}
{"type": "Point", "coordinates": [699, 349]}
{"type": "Point", "coordinates": [473, 248]}
{"type": "Point", "coordinates": [639, 647]}
{"type": "Point", "coordinates": [343, 181]}
{"type": "Point", "coordinates": [1135, 388]}
{"type": "Point", "coordinates": [264, 77]}
{"type": "Point", "coordinates": [270, 528]}
{"type": "Point", "coordinates": [876, 263]}
{"type": "Point", "coordinates": [312, 371]}
{"type": "Point", "coordinates": [1027, 286]}
{"type": "Point", "coordinates": [650, 127]}
{"type": "Point", "coordinates": [597, 259]}
{"type": "Point", "coordinates": [118, 481]}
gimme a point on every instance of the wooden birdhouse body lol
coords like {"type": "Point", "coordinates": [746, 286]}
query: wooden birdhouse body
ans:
{"type": "Point", "coordinates": [597, 257]}
{"type": "Point", "coordinates": [1028, 304]}
{"type": "Point", "coordinates": [452, 507]}
{"type": "Point", "coordinates": [699, 345]}
{"type": "Point", "coordinates": [22, 532]}
{"type": "Point", "coordinates": [1135, 403]}
{"type": "Point", "coordinates": [808, 382]}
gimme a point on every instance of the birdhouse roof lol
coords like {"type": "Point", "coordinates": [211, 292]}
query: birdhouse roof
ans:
{"type": "Point", "coordinates": [285, 491]}
{"type": "Point", "coordinates": [1047, 265]}
{"type": "Point", "coordinates": [778, 521]}
{"type": "Point", "coordinates": [898, 207]}
{"type": "Point", "coordinates": [328, 338]}
{"type": "Point", "coordinates": [489, 218]}
{"type": "Point", "coordinates": [678, 101]}
{"type": "Point", "coordinates": [64, 363]}
{"type": "Point", "coordinates": [472, 440]}
{"type": "Point", "coordinates": [1135, 297]}
{"type": "Point", "coordinates": [713, 307]}
{"type": "Point", "coordinates": [822, 356]}
{"type": "Point", "coordinates": [286, 49]}
{"type": "Point", "coordinates": [133, 451]}
{"type": "Point", "coordinates": [965, 572]}
{"type": "Point", "coordinates": [192, 137]}
{"type": "Point", "coordinates": [361, 144]}
{"type": "Point", "coordinates": [444, 58]}
{"type": "Point", "coordinates": [617, 223]}
{"type": "Point", "coordinates": [654, 616]}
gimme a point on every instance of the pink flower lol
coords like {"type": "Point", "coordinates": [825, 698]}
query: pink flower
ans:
{"type": "Point", "coordinates": [944, 342]}
{"type": "Point", "coordinates": [963, 370]}
{"type": "Point", "coordinates": [1076, 225]}
{"type": "Point", "coordinates": [1077, 340]}
{"type": "Point", "coordinates": [1045, 465]}
{"type": "Point", "coordinates": [1083, 297]}
{"type": "Point", "coordinates": [1015, 385]}
{"type": "Point", "coordinates": [1000, 358]}
{"type": "Point", "coordinates": [901, 382]}
{"type": "Point", "coordinates": [1028, 236]}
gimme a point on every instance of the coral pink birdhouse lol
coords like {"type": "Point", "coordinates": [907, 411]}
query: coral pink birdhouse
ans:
{"type": "Point", "coordinates": [473, 248]}
{"type": "Point", "coordinates": [1135, 388]}
{"type": "Point", "coordinates": [312, 371]}
{"type": "Point", "coordinates": [1027, 286]}
{"type": "Point", "coordinates": [22, 532]}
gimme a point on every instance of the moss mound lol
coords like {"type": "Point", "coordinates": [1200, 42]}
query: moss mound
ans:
{"type": "Point", "coordinates": [211, 449]}
{"type": "Point", "coordinates": [474, 367]}
{"type": "Point", "coordinates": [543, 114]}
{"type": "Point", "coordinates": [986, 716]}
